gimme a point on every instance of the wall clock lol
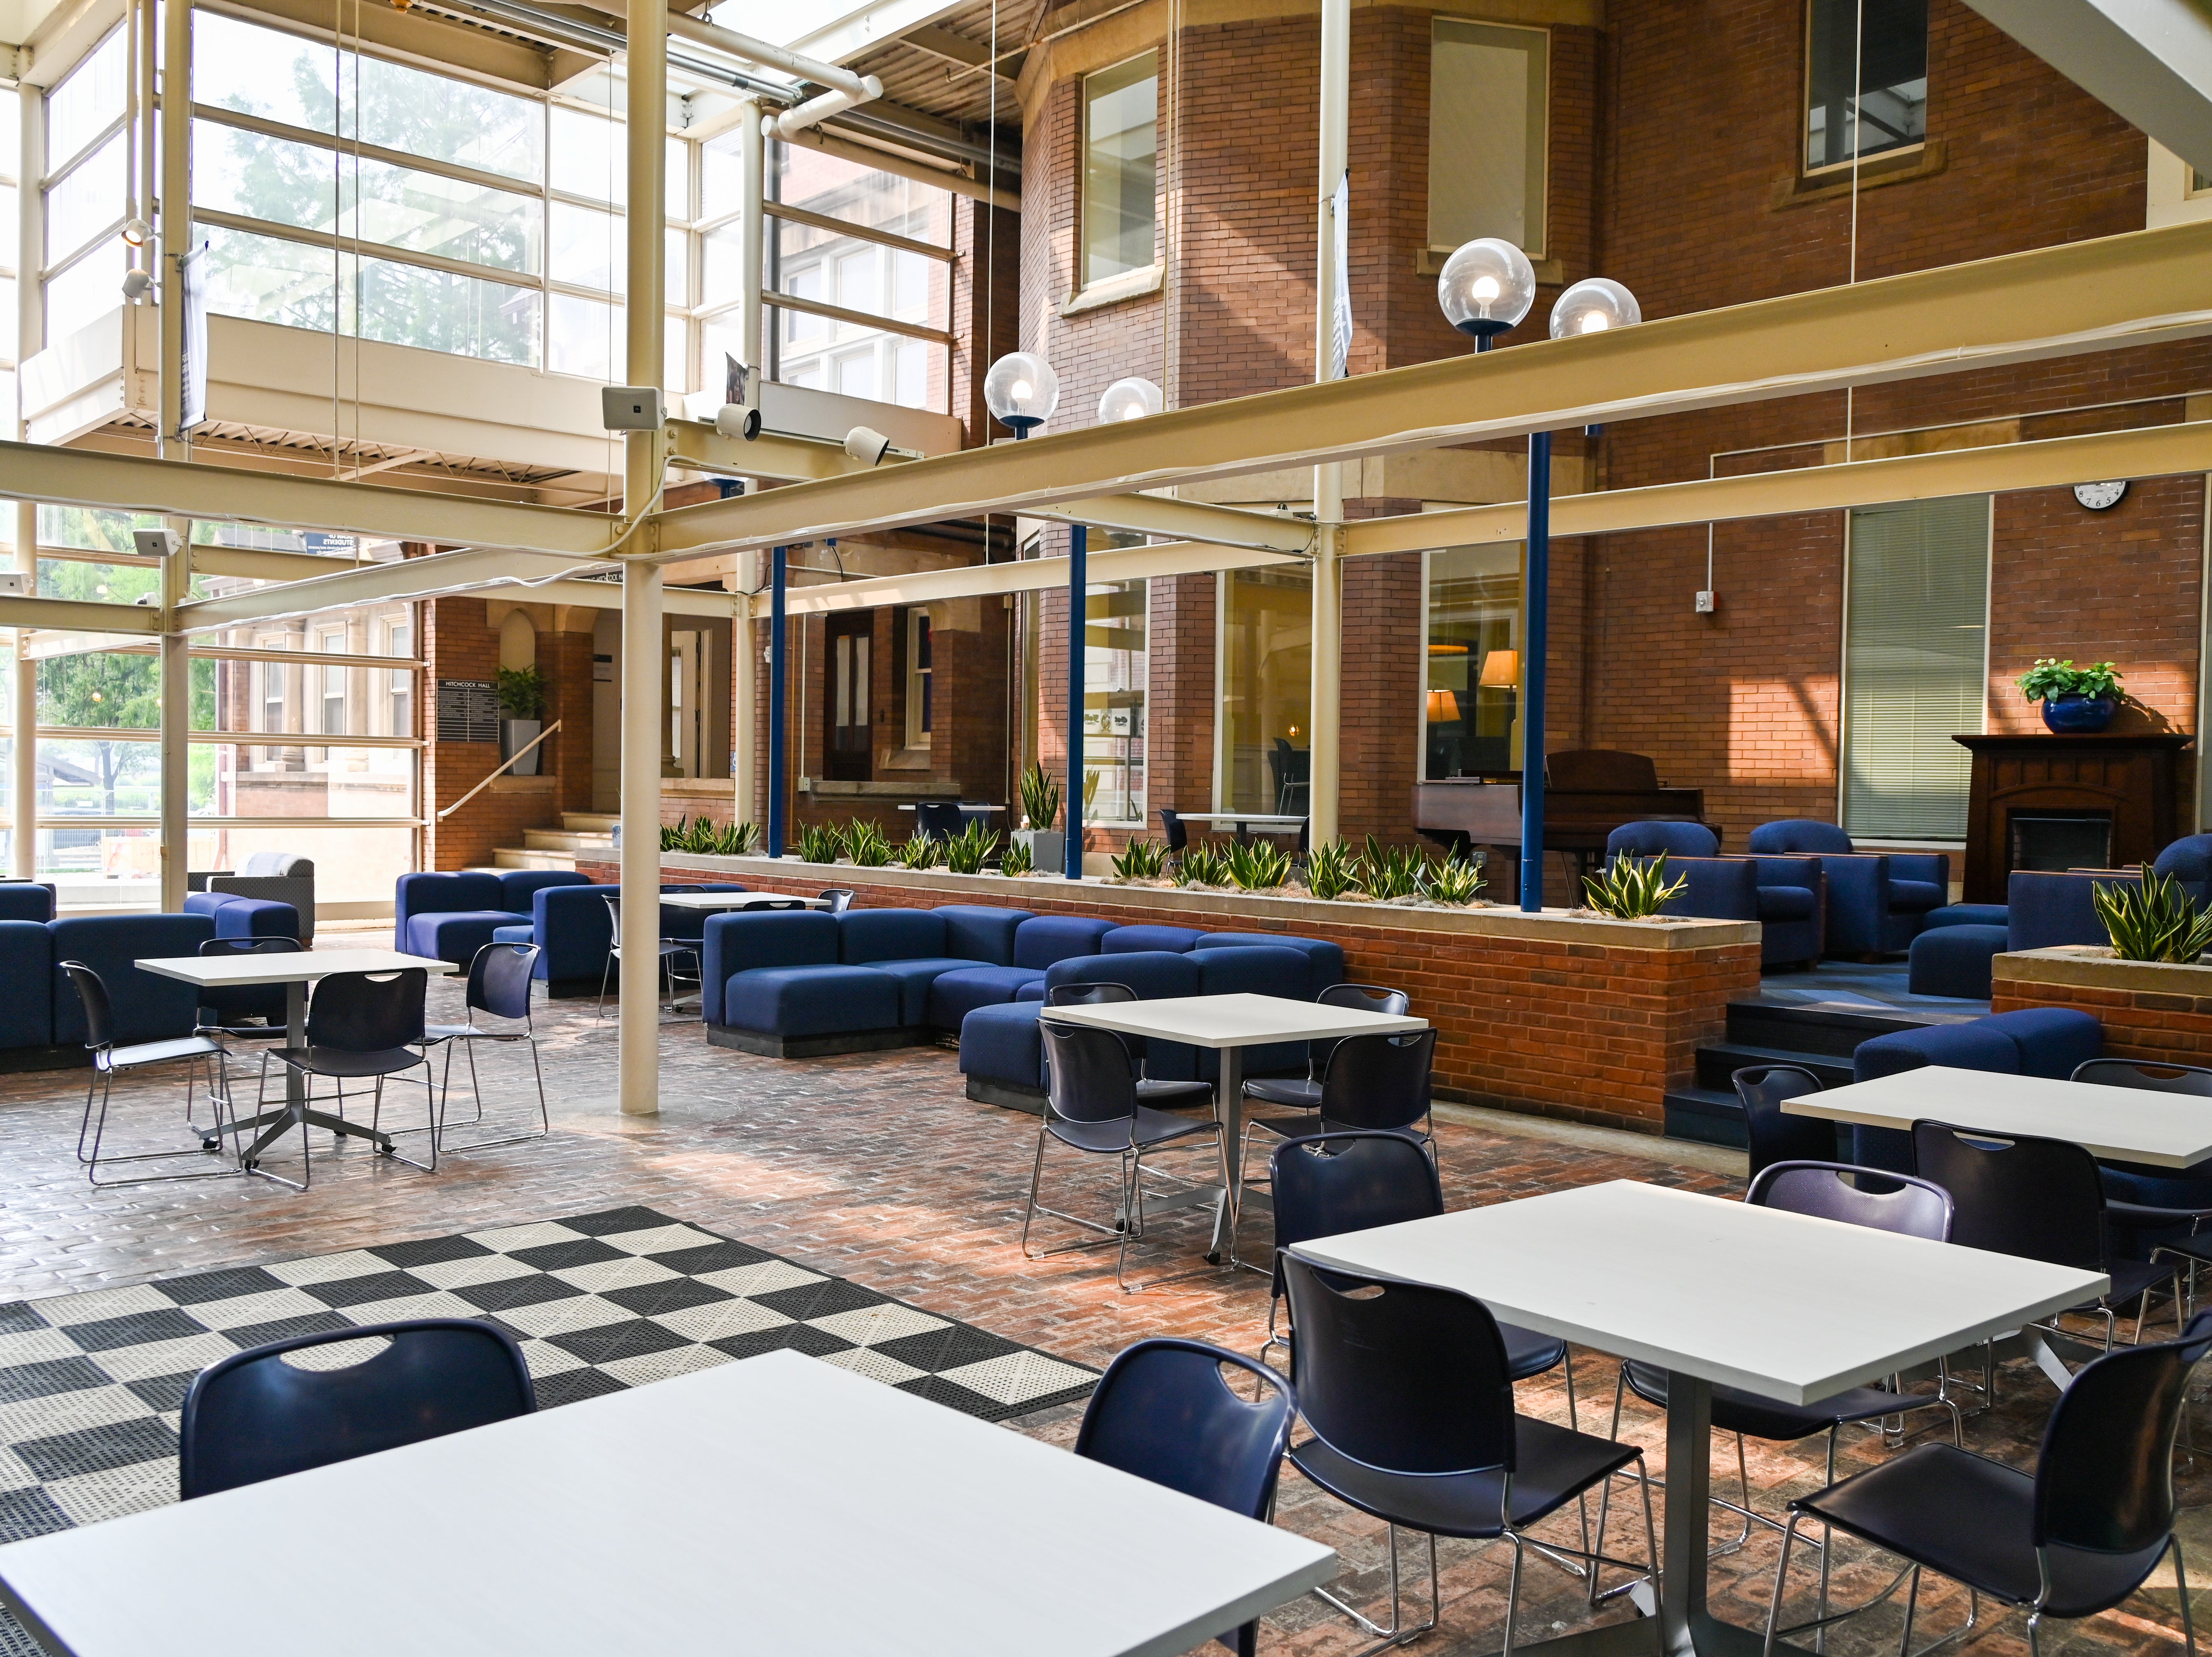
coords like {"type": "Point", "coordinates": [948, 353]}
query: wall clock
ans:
{"type": "Point", "coordinates": [2100, 497]}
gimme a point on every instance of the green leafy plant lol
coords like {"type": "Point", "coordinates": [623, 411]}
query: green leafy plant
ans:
{"type": "Point", "coordinates": [1016, 860]}
{"type": "Point", "coordinates": [521, 692]}
{"type": "Point", "coordinates": [1332, 870]}
{"type": "Point", "coordinates": [671, 834]}
{"type": "Point", "coordinates": [819, 842]}
{"type": "Point", "coordinates": [921, 851]}
{"type": "Point", "coordinates": [1258, 865]}
{"type": "Point", "coordinates": [1631, 888]}
{"type": "Point", "coordinates": [1089, 790]}
{"type": "Point", "coordinates": [2153, 921]}
{"type": "Point", "coordinates": [969, 852]}
{"type": "Point", "coordinates": [738, 839]}
{"type": "Point", "coordinates": [704, 836]}
{"type": "Point", "coordinates": [1142, 859]}
{"type": "Point", "coordinates": [2052, 678]}
{"type": "Point", "coordinates": [1202, 864]}
{"type": "Point", "coordinates": [1040, 797]}
{"type": "Point", "coordinates": [1390, 871]}
{"type": "Point", "coordinates": [866, 844]}
{"type": "Point", "coordinates": [1455, 880]}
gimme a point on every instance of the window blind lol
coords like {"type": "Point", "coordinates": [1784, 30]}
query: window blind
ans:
{"type": "Point", "coordinates": [1916, 618]}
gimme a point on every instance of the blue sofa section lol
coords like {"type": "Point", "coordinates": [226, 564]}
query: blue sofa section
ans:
{"type": "Point", "coordinates": [449, 917]}
{"type": "Point", "coordinates": [26, 900]}
{"type": "Point", "coordinates": [1876, 902]}
{"type": "Point", "coordinates": [1783, 894]}
{"type": "Point", "coordinates": [41, 1022]}
{"type": "Point", "coordinates": [569, 925]}
{"type": "Point", "coordinates": [238, 917]}
{"type": "Point", "coordinates": [2036, 1041]}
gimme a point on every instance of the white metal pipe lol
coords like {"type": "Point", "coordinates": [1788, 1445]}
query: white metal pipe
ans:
{"type": "Point", "coordinates": [30, 312]}
{"type": "Point", "coordinates": [752, 162]}
{"type": "Point", "coordinates": [176, 698]}
{"type": "Point", "coordinates": [792, 122]}
{"type": "Point", "coordinates": [176, 217]}
{"type": "Point", "coordinates": [902, 166]}
{"type": "Point", "coordinates": [761, 51]}
{"type": "Point", "coordinates": [1324, 711]}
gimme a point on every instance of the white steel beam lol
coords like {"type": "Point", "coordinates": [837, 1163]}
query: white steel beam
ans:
{"type": "Point", "coordinates": [374, 583]}
{"type": "Point", "coordinates": [1024, 575]}
{"type": "Point", "coordinates": [78, 615]}
{"type": "Point", "coordinates": [2149, 61]}
{"type": "Point", "coordinates": [1190, 521]}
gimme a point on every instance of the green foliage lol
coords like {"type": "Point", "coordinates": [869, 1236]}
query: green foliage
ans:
{"type": "Point", "coordinates": [1455, 880]}
{"type": "Point", "coordinates": [1390, 871]}
{"type": "Point", "coordinates": [1258, 865]}
{"type": "Point", "coordinates": [1040, 797]}
{"type": "Point", "coordinates": [704, 836]}
{"type": "Point", "coordinates": [1016, 860]}
{"type": "Point", "coordinates": [969, 852]}
{"type": "Point", "coordinates": [1142, 859]}
{"type": "Point", "coordinates": [1202, 864]}
{"type": "Point", "coordinates": [819, 842]}
{"type": "Point", "coordinates": [921, 851]}
{"type": "Point", "coordinates": [865, 845]}
{"type": "Point", "coordinates": [521, 692]}
{"type": "Point", "coordinates": [2154, 921]}
{"type": "Point", "coordinates": [1631, 888]}
{"type": "Point", "coordinates": [2052, 677]}
{"type": "Point", "coordinates": [1332, 870]}
{"type": "Point", "coordinates": [1089, 790]}
{"type": "Point", "coordinates": [738, 839]}
{"type": "Point", "coordinates": [671, 834]}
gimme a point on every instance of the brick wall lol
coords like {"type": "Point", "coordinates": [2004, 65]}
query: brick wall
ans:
{"type": "Point", "coordinates": [2153, 1015]}
{"type": "Point", "coordinates": [459, 642]}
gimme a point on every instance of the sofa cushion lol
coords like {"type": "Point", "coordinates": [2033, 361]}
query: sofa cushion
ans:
{"type": "Point", "coordinates": [1915, 897]}
{"type": "Point", "coordinates": [1034, 989]}
{"type": "Point", "coordinates": [1954, 960]}
{"type": "Point", "coordinates": [238, 917]}
{"type": "Point", "coordinates": [1154, 974]}
{"type": "Point", "coordinates": [888, 934]}
{"type": "Point", "coordinates": [455, 935]}
{"type": "Point", "coordinates": [1966, 915]}
{"type": "Point", "coordinates": [517, 886]}
{"type": "Point", "coordinates": [515, 935]}
{"type": "Point", "coordinates": [1785, 903]}
{"type": "Point", "coordinates": [27, 967]}
{"type": "Point", "coordinates": [569, 925]}
{"type": "Point", "coordinates": [148, 1008]}
{"type": "Point", "coordinates": [1971, 1046]}
{"type": "Point", "coordinates": [2053, 1040]}
{"type": "Point", "coordinates": [2048, 909]}
{"type": "Point", "coordinates": [981, 932]}
{"type": "Point", "coordinates": [1001, 1044]}
{"type": "Point", "coordinates": [1677, 839]}
{"type": "Point", "coordinates": [739, 942]}
{"type": "Point", "coordinates": [2189, 860]}
{"type": "Point", "coordinates": [810, 1001]}
{"type": "Point", "coordinates": [1324, 960]}
{"type": "Point", "coordinates": [430, 890]}
{"type": "Point", "coordinates": [914, 978]}
{"type": "Point", "coordinates": [1799, 834]}
{"type": "Point", "coordinates": [1044, 939]}
{"type": "Point", "coordinates": [1127, 939]}
{"type": "Point", "coordinates": [26, 900]}
{"type": "Point", "coordinates": [953, 995]}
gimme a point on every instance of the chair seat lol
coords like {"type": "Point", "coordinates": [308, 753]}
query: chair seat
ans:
{"type": "Point", "coordinates": [1152, 1128]}
{"type": "Point", "coordinates": [338, 1062]}
{"type": "Point", "coordinates": [1296, 1092]}
{"type": "Point", "coordinates": [1971, 1518]}
{"type": "Point", "coordinates": [433, 1033]}
{"type": "Point", "coordinates": [1173, 1095]}
{"type": "Point", "coordinates": [1528, 1353]}
{"type": "Point", "coordinates": [157, 1052]}
{"type": "Point", "coordinates": [243, 1032]}
{"type": "Point", "coordinates": [1915, 897]}
{"type": "Point", "coordinates": [2130, 1278]}
{"type": "Point", "coordinates": [1555, 1466]}
{"type": "Point", "coordinates": [1735, 1411]}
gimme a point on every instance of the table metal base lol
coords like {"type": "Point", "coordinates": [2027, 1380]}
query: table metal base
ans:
{"type": "Point", "coordinates": [295, 1112]}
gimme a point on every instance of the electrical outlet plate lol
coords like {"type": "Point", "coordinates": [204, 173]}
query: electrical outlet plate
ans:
{"type": "Point", "coordinates": [1706, 602]}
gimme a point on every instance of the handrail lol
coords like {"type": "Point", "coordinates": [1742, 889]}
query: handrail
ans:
{"type": "Point", "coordinates": [502, 765]}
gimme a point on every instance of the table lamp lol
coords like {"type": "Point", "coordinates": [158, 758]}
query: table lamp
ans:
{"type": "Point", "coordinates": [1444, 708]}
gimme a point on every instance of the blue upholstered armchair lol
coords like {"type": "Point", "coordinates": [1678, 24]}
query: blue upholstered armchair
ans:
{"type": "Point", "coordinates": [1783, 894]}
{"type": "Point", "coordinates": [1876, 901]}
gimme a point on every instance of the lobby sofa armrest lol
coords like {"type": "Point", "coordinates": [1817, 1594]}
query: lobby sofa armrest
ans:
{"type": "Point", "coordinates": [1858, 901]}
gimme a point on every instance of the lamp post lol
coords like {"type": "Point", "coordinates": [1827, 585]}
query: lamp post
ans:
{"type": "Point", "coordinates": [1486, 288]}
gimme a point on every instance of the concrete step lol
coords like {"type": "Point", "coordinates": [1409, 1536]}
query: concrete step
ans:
{"type": "Point", "coordinates": [510, 857]}
{"type": "Point", "coordinates": [562, 840]}
{"type": "Point", "coordinates": [1718, 1063]}
{"type": "Point", "coordinates": [589, 822]}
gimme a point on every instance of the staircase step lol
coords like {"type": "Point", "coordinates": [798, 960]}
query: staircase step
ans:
{"type": "Point", "coordinates": [1717, 1063]}
{"type": "Point", "coordinates": [589, 822]}
{"type": "Point", "coordinates": [1709, 1115]}
{"type": "Point", "coordinates": [1836, 1032]}
{"type": "Point", "coordinates": [512, 857]}
{"type": "Point", "coordinates": [562, 840]}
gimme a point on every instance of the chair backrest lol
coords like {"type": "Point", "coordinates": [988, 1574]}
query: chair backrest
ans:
{"type": "Point", "coordinates": [1178, 837]}
{"type": "Point", "coordinates": [499, 979]}
{"type": "Point", "coordinates": [1087, 995]}
{"type": "Point", "coordinates": [369, 1012]}
{"type": "Point", "coordinates": [1365, 997]}
{"type": "Point", "coordinates": [1379, 1081]}
{"type": "Point", "coordinates": [1401, 1376]}
{"type": "Point", "coordinates": [1090, 1075]}
{"type": "Point", "coordinates": [939, 819]}
{"type": "Point", "coordinates": [2193, 1079]}
{"type": "Point", "coordinates": [288, 865]}
{"type": "Point", "coordinates": [1800, 834]}
{"type": "Point", "coordinates": [2104, 1479]}
{"type": "Point", "coordinates": [247, 1001]}
{"type": "Point", "coordinates": [1775, 1135]}
{"type": "Point", "coordinates": [839, 898]}
{"type": "Point", "coordinates": [2037, 1198]}
{"type": "Point", "coordinates": [92, 995]}
{"type": "Point", "coordinates": [1326, 1184]}
{"type": "Point", "coordinates": [1881, 1201]}
{"type": "Point", "coordinates": [2188, 860]}
{"type": "Point", "coordinates": [254, 1416]}
{"type": "Point", "coordinates": [1676, 839]}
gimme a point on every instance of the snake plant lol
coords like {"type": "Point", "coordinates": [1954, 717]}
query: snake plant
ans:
{"type": "Point", "coordinates": [1016, 860]}
{"type": "Point", "coordinates": [865, 845]}
{"type": "Point", "coordinates": [819, 842]}
{"type": "Point", "coordinates": [1142, 859]}
{"type": "Point", "coordinates": [969, 852]}
{"type": "Point", "coordinates": [1255, 866]}
{"type": "Point", "coordinates": [2151, 921]}
{"type": "Point", "coordinates": [1390, 871]}
{"type": "Point", "coordinates": [1332, 870]}
{"type": "Point", "coordinates": [921, 851]}
{"type": "Point", "coordinates": [1202, 864]}
{"type": "Point", "coordinates": [1631, 888]}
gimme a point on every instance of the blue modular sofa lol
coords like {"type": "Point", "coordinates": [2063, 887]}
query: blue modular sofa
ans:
{"type": "Point", "coordinates": [41, 1024]}
{"type": "Point", "coordinates": [569, 925]}
{"type": "Point", "coordinates": [2036, 1041]}
{"type": "Point", "coordinates": [449, 917]}
{"type": "Point", "coordinates": [238, 917]}
{"type": "Point", "coordinates": [1783, 894]}
{"type": "Point", "coordinates": [1876, 902]}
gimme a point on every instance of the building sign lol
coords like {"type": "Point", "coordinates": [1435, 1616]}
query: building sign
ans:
{"type": "Point", "coordinates": [468, 710]}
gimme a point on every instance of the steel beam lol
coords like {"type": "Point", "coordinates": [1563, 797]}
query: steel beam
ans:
{"type": "Point", "coordinates": [1188, 521]}
{"type": "Point", "coordinates": [370, 583]}
{"type": "Point", "coordinates": [79, 615]}
{"type": "Point", "coordinates": [255, 564]}
{"type": "Point", "coordinates": [2149, 61]}
{"type": "Point", "coordinates": [1025, 575]}
{"type": "Point", "coordinates": [2135, 290]}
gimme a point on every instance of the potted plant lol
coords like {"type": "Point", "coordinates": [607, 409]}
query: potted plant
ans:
{"type": "Point", "coordinates": [1048, 846]}
{"type": "Point", "coordinates": [522, 716]}
{"type": "Point", "coordinates": [2076, 701]}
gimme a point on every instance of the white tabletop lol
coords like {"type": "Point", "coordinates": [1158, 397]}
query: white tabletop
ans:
{"type": "Point", "coordinates": [1249, 819]}
{"type": "Point", "coordinates": [732, 900]}
{"type": "Point", "coordinates": [965, 805]}
{"type": "Point", "coordinates": [1786, 1306]}
{"type": "Point", "coordinates": [2170, 1130]}
{"type": "Point", "coordinates": [779, 1504]}
{"type": "Point", "coordinates": [1240, 1021]}
{"type": "Point", "coordinates": [291, 966]}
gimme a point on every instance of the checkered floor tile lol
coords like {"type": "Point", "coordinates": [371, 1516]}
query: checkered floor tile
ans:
{"type": "Point", "coordinates": [91, 1385]}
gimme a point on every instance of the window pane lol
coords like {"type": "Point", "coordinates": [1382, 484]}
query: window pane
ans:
{"type": "Point", "coordinates": [271, 179]}
{"type": "Point", "coordinates": [9, 318]}
{"type": "Point", "coordinates": [1120, 107]}
{"type": "Point", "coordinates": [1486, 126]}
{"type": "Point", "coordinates": [101, 689]}
{"type": "Point", "coordinates": [300, 780]}
{"type": "Point", "coordinates": [94, 530]}
{"type": "Point", "coordinates": [448, 120]}
{"type": "Point", "coordinates": [857, 276]}
{"type": "Point", "coordinates": [841, 189]}
{"type": "Point", "coordinates": [586, 247]}
{"type": "Point", "coordinates": [676, 353]}
{"type": "Point", "coordinates": [721, 264]}
{"type": "Point", "coordinates": [721, 176]}
{"type": "Point", "coordinates": [587, 155]}
{"type": "Point", "coordinates": [676, 268]}
{"type": "Point", "coordinates": [265, 279]}
{"type": "Point", "coordinates": [407, 305]}
{"type": "Point", "coordinates": [96, 583]}
{"type": "Point", "coordinates": [11, 225]}
{"type": "Point", "coordinates": [1114, 629]}
{"type": "Point", "coordinates": [1265, 682]}
{"type": "Point", "coordinates": [352, 864]}
{"type": "Point", "coordinates": [841, 357]}
{"type": "Point", "coordinates": [583, 338]}
{"type": "Point", "coordinates": [1471, 714]}
{"type": "Point", "coordinates": [84, 293]}
{"type": "Point", "coordinates": [11, 134]}
{"type": "Point", "coordinates": [677, 180]}
{"type": "Point", "coordinates": [856, 280]}
{"type": "Point", "coordinates": [87, 202]}
{"type": "Point", "coordinates": [258, 71]}
{"type": "Point", "coordinates": [1890, 109]}
{"type": "Point", "coordinates": [85, 103]}
{"type": "Point", "coordinates": [430, 213]}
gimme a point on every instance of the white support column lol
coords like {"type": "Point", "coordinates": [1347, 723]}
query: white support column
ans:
{"type": "Point", "coordinates": [30, 320]}
{"type": "Point", "coordinates": [1325, 714]}
{"type": "Point", "coordinates": [745, 680]}
{"type": "Point", "coordinates": [176, 722]}
{"type": "Point", "coordinates": [175, 222]}
{"type": "Point", "coordinates": [644, 675]}
{"type": "Point", "coordinates": [745, 659]}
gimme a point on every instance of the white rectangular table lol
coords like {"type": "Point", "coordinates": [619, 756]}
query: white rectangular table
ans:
{"type": "Point", "coordinates": [1713, 1291]}
{"type": "Point", "coordinates": [718, 902]}
{"type": "Point", "coordinates": [776, 1505]}
{"type": "Point", "coordinates": [1228, 1025]}
{"type": "Point", "coordinates": [2129, 1125]}
{"type": "Point", "coordinates": [295, 971]}
{"type": "Point", "coordinates": [1245, 821]}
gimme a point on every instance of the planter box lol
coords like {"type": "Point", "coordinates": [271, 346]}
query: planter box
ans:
{"type": "Point", "coordinates": [1048, 849]}
{"type": "Point", "coordinates": [2154, 1012]}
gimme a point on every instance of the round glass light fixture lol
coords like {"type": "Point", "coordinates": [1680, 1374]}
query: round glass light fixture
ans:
{"type": "Point", "coordinates": [1595, 305]}
{"type": "Point", "coordinates": [1021, 391]}
{"type": "Point", "coordinates": [1486, 287]}
{"type": "Point", "coordinates": [1130, 399]}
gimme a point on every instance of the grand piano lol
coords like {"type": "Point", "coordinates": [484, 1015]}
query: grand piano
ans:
{"type": "Point", "coordinates": [1588, 793]}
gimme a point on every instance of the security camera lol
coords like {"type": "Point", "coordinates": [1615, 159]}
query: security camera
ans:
{"type": "Point", "coordinates": [632, 408]}
{"type": "Point", "coordinates": [866, 445]}
{"type": "Point", "coordinates": [154, 543]}
{"type": "Point", "coordinates": [137, 284]}
{"type": "Point", "coordinates": [736, 420]}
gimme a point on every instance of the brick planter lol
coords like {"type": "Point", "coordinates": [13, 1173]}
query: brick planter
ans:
{"type": "Point", "coordinates": [1592, 1020]}
{"type": "Point", "coordinates": [2153, 1011]}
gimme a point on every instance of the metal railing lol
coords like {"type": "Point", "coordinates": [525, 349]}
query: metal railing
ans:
{"type": "Point", "coordinates": [501, 766]}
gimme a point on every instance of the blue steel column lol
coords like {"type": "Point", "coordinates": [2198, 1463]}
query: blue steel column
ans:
{"type": "Point", "coordinates": [775, 720]}
{"type": "Point", "coordinates": [1079, 582]}
{"type": "Point", "coordinates": [1532, 683]}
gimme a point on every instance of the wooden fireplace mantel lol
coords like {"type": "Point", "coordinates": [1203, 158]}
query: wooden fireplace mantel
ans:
{"type": "Point", "coordinates": [2128, 774]}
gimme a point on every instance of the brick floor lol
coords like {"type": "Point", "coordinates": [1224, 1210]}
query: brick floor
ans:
{"type": "Point", "coordinates": [877, 1168]}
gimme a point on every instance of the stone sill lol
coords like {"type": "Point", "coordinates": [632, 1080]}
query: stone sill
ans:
{"type": "Point", "coordinates": [513, 784]}
{"type": "Point", "coordinates": [919, 787]}
{"type": "Point", "coordinates": [2092, 966]}
{"type": "Point", "coordinates": [711, 787]}
{"type": "Point", "coordinates": [1130, 284]}
{"type": "Point", "coordinates": [1156, 904]}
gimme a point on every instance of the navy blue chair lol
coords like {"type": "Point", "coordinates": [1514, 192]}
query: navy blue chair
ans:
{"type": "Point", "coordinates": [1409, 1392]}
{"type": "Point", "coordinates": [1876, 902]}
{"type": "Point", "coordinates": [1377, 1084]}
{"type": "Point", "coordinates": [939, 820]}
{"type": "Point", "coordinates": [674, 953]}
{"type": "Point", "coordinates": [1304, 1093]}
{"type": "Point", "coordinates": [361, 1026]}
{"type": "Point", "coordinates": [251, 1416]}
{"type": "Point", "coordinates": [202, 1053]}
{"type": "Point", "coordinates": [1163, 1413]}
{"type": "Point", "coordinates": [246, 1012]}
{"type": "Point", "coordinates": [1774, 1135]}
{"type": "Point", "coordinates": [1171, 825]}
{"type": "Point", "coordinates": [2073, 1539]}
{"type": "Point", "coordinates": [499, 987]}
{"type": "Point", "coordinates": [1160, 1093]}
{"type": "Point", "coordinates": [1676, 839]}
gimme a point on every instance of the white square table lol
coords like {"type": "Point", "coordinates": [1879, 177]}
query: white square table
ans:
{"type": "Point", "coordinates": [778, 1504]}
{"type": "Point", "coordinates": [295, 971]}
{"type": "Point", "coordinates": [714, 903]}
{"type": "Point", "coordinates": [2129, 1125]}
{"type": "Point", "coordinates": [1713, 1291]}
{"type": "Point", "coordinates": [1245, 821]}
{"type": "Point", "coordinates": [1228, 1025]}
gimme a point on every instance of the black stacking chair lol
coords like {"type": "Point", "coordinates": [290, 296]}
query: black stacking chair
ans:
{"type": "Point", "coordinates": [2124, 1182]}
{"type": "Point", "coordinates": [840, 899]}
{"type": "Point", "coordinates": [363, 1026]}
{"type": "Point", "coordinates": [252, 1415]}
{"type": "Point", "coordinates": [1162, 1412]}
{"type": "Point", "coordinates": [674, 953]}
{"type": "Point", "coordinates": [1378, 1084]}
{"type": "Point", "coordinates": [1775, 1136]}
{"type": "Point", "coordinates": [2040, 1199]}
{"type": "Point", "coordinates": [2073, 1539]}
{"type": "Point", "coordinates": [939, 819]}
{"type": "Point", "coordinates": [1091, 1105]}
{"type": "Point", "coordinates": [1409, 1392]}
{"type": "Point", "coordinates": [1159, 1094]}
{"type": "Point", "coordinates": [244, 1012]}
{"type": "Point", "coordinates": [203, 1054]}
{"type": "Point", "coordinates": [1304, 1093]}
{"type": "Point", "coordinates": [1178, 837]}
{"type": "Point", "coordinates": [499, 987]}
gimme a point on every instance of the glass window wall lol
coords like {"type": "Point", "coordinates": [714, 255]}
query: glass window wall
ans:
{"type": "Point", "coordinates": [1866, 78]}
{"type": "Point", "coordinates": [1471, 696]}
{"type": "Point", "coordinates": [1114, 622]}
{"type": "Point", "coordinates": [1121, 143]}
{"type": "Point", "coordinates": [1267, 685]}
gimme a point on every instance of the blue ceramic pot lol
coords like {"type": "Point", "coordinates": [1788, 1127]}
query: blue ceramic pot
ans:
{"type": "Point", "coordinates": [2079, 716]}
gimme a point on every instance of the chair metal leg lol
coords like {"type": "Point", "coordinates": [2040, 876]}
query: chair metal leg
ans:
{"type": "Point", "coordinates": [1781, 1582]}
{"type": "Point", "coordinates": [1912, 1604]}
{"type": "Point", "coordinates": [95, 1124]}
{"type": "Point", "coordinates": [2181, 1584]}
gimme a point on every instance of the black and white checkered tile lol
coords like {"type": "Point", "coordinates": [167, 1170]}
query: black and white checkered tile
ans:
{"type": "Point", "coordinates": [91, 1385]}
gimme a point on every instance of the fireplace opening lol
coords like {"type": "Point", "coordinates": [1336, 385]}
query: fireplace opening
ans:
{"type": "Point", "coordinates": [2058, 839]}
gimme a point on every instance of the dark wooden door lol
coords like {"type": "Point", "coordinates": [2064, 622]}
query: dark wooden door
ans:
{"type": "Point", "coordinates": [846, 703]}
